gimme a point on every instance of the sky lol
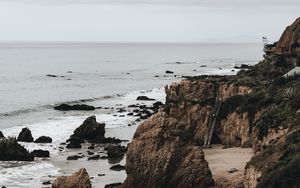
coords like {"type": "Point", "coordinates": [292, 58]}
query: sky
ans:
{"type": "Point", "coordinates": [145, 20]}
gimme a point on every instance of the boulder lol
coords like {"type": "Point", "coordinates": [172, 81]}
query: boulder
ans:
{"type": "Point", "coordinates": [90, 130]}
{"type": "Point", "coordinates": [40, 153]}
{"type": "Point", "coordinates": [43, 139]}
{"type": "Point", "coordinates": [79, 179]}
{"type": "Point", "coordinates": [160, 155]}
{"type": "Point", "coordinates": [10, 150]}
{"type": "Point", "coordinates": [144, 98]}
{"type": "Point", "coordinates": [67, 107]}
{"type": "Point", "coordinates": [25, 135]}
{"type": "Point", "coordinates": [115, 151]}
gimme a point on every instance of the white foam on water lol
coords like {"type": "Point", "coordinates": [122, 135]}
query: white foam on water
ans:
{"type": "Point", "coordinates": [31, 174]}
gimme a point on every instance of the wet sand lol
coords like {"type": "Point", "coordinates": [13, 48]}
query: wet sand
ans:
{"type": "Point", "coordinates": [223, 160]}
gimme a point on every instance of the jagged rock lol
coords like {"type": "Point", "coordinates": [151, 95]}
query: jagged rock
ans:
{"type": "Point", "coordinates": [25, 135]}
{"type": "Point", "coordinates": [1, 135]}
{"type": "Point", "coordinates": [43, 139]}
{"type": "Point", "coordinates": [79, 179]}
{"type": "Point", "coordinates": [40, 153]}
{"type": "Point", "coordinates": [160, 155]}
{"type": "Point", "coordinates": [67, 107]}
{"type": "Point", "coordinates": [144, 98]}
{"type": "Point", "coordinates": [115, 151]}
{"type": "Point", "coordinates": [117, 167]}
{"type": "Point", "coordinates": [90, 130]}
{"type": "Point", "coordinates": [10, 150]}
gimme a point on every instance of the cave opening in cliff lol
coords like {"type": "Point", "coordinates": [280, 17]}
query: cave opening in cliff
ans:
{"type": "Point", "coordinates": [215, 139]}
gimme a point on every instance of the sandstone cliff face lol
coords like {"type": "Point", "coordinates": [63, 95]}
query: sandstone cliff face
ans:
{"type": "Point", "coordinates": [166, 149]}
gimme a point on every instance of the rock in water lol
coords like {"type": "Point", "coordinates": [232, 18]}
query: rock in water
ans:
{"type": "Point", "coordinates": [90, 130]}
{"type": "Point", "coordinates": [79, 179]}
{"type": "Point", "coordinates": [10, 150]}
{"type": "Point", "coordinates": [161, 156]}
{"type": "Point", "coordinates": [40, 153]}
{"type": "Point", "coordinates": [25, 135]}
{"type": "Point", "coordinates": [144, 98]}
{"type": "Point", "coordinates": [43, 139]}
{"type": "Point", "coordinates": [67, 107]}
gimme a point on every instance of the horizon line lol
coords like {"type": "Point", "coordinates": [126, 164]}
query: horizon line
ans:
{"type": "Point", "coordinates": [122, 42]}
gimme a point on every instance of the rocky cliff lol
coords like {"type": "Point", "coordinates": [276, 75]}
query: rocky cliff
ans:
{"type": "Point", "coordinates": [258, 108]}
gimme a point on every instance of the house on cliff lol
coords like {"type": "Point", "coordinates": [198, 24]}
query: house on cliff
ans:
{"type": "Point", "coordinates": [293, 72]}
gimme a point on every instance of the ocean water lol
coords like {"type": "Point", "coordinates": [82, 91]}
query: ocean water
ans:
{"type": "Point", "coordinates": [103, 75]}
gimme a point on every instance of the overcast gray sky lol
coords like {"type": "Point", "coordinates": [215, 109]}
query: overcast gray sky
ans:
{"type": "Point", "coordinates": [145, 20]}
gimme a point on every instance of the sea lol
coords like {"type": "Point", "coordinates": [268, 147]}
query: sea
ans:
{"type": "Point", "coordinates": [34, 77]}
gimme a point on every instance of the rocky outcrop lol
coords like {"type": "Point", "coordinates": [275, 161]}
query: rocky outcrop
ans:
{"type": "Point", "coordinates": [79, 179]}
{"type": "Point", "coordinates": [90, 129]}
{"type": "Point", "coordinates": [160, 155]}
{"type": "Point", "coordinates": [25, 135]}
{"type": "Point", "coordinates": [43, 139]}
{"type": "Point", "coordinates": [67, 107]}
{"type": "Point", "coordinates": [10, 150]}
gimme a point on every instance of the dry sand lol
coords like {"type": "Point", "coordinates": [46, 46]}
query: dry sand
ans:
{"type": "Point", "coordinates": [223, 160]}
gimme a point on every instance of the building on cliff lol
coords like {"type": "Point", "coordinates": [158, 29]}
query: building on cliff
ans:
{"type": "Point", "coordinates": [293, 72]}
